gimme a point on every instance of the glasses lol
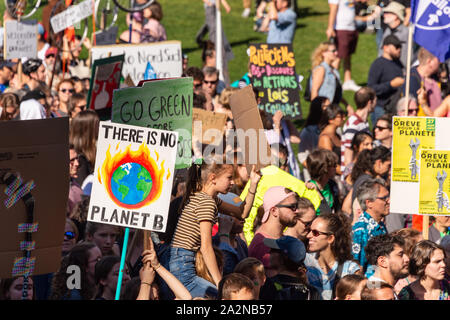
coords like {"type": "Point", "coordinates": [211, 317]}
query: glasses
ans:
{"type": "Point", "coordinates": [306, 224]}
{"type": "Point", "coordinates": [69, 235]}
{"type": "Point", "coordinates": [381, 128]}
{"type": "Point", "coordinates": [95, 260]}
{"type": "Point", "coordinates": [293, 206]}
{"type": "Point", "coordinates": [65, 90]}
{"type": "Point", "coordinates": [317, 233]}
{"type": "Point", "coordinates": [198, 85]}
{"type": "Point", "coordinates": [385, 198]}
{"type": "Point", "coordinates": [82, 107]}
{"type": "Point", "coordinates": [210, 82]}
{"type": "Point", "coordinates": [50, 56]}
{"type": "Point", "coordinates": [413, 110]}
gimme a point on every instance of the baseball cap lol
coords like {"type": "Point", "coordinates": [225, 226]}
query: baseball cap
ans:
{"type": "Point", "coordinates": [51, 50]}
{"type": "Point", "coordinates": [272, 197]}
{"type": "Point", "coordinates": [397, 9]}
{"type": "Point", "coordinates": [7, 63]}
{"type": "Point", "coordinates": [292, 247]}
{"type": "Point", "coordinates": [392, 39]}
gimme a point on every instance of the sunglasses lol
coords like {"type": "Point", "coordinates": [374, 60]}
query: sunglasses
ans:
{"type": "Point", "coordinates": [70, 235]}
{"type": "Point", "coordinates": [82, 107]}
{"type": "Point", "coordinates": [317, 233]}
{"type": "Point", "coordinates": [65, 90]}
{"type": "Point", "coordinates": [293, 206]}
{"type": "Point", "coordinates": [198, 85]}
{"type": "Point", "coordinates": [306, 224]}
{"type": "Point", "coordinates": [210, 82]}
{"type": "Point", "coordinates": [412, 110]}
{"type": "Point", "coordinates": [381, 128]}
{"type": "Point", "coordinates": [50, 56]}
{"type": "Point", "coordinates": [385, 198]}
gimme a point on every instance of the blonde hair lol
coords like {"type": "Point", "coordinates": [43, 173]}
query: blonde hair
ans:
{"type": "Point", "coordinates": [224, 98]}
{"type": "Point", "coordinates": [317, 55]}
{"type": "Point", "coordinates": [201, 268]}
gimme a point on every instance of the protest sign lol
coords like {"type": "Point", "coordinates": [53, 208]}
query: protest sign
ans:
{"type": "Point", "coordinates": [208, 126]}
{"type": "Point", "coordinates": [249, 129]}
{"type": "Point", "coordinates": [160, 104]}
{"type": "Point", "coordinates": [34, 179]}
{"type": "Point", "coordinates": [273, 73]}
{"type": "Point", "coordinates": [134, 170]}
{"type": "Point", "coordinates": [165, 57]}
{"type": "Point", "coordinates": [20, 39]}
{"type": "Point", "coordinates": [104, 80]}
{"type": "Point", "coordinates": [434, 182]}
{"type": "Point", "coordinates": [411, 135]}
{"type": "Point", "coordinates": [108, 36]}
{"type": "Point", "coordinates": [71, 16]}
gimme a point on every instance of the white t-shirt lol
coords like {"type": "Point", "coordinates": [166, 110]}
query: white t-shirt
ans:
{"type": "Point", "coordinates": [345, 18]}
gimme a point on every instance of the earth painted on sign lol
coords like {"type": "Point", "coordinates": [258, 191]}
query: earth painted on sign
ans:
{"type": "Point", "coordinates": [131, 183]}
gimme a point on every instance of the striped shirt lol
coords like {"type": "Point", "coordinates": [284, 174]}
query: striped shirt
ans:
{"type": "Point", "coordinates": [353, 125]}
{"type": "Point", "coordinates": [201, 207]}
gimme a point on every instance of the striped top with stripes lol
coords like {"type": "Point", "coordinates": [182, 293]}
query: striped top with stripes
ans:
{"type": "Point", "coordinates": [201, 207]}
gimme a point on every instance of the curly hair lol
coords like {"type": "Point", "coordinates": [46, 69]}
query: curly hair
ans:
{"type": "Point", "coordinates": [340, 227]}
{"type": "Point", "coordinates": [78, 256]}
{"type": "Point", "coordinates": [382, 245]}
{"type": "Point", "coordinates": [317, 55]}
{"type": "Point", "coordinates": [410, 236]}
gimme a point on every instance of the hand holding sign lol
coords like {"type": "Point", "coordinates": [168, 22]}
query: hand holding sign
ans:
{"type": "Point", "coordinates": [150, 257]}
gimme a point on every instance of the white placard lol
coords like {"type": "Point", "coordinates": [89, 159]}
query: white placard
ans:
{"type": "Point", "coordinates": [165, 58]}
{"type": "Point", "coordinates": [71, 16]}
{"type": "Point", "coordinates": [134, 171]}
{"type": "Point", "coordinates": [405, 194]}
{"type": "Point", "coordinates": [20, 39]}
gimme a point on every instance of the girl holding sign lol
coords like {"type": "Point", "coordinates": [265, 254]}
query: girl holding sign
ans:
{"type": "Point", "coordinates": [198, 215]}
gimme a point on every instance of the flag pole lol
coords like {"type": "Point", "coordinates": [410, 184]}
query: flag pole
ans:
{"type": "Point", "coordinates": [408, 65]}
{"type": "Point", "coordinates": [219, 44]}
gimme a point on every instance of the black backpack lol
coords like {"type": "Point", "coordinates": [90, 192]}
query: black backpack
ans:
{"type": "Point", "coordinates": [337, 277]}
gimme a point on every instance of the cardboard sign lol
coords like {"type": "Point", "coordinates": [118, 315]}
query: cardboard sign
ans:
{"type": "Point", "coordinates": [104, 80]}
{"type": "Point", "coordinates": [434, 182]}
{"type": "Point", "coordinates": [164, 56]}
{"type": "Point", "coordinates": [134, 170]}
{"type": "Point", "coordinates": [73, 15]}
{"type": "Point", "coordinates": [20, 39]}
{"type": "Point", "coordinates": [250, 131]}
{"type": "Point", "coordinates": [412, 135]}
{"type": "Point", "coordinates": [273, 74]}
{"type": "Point", "coordinates": [208, 126]}
{"type": "Point", "coordinates": [38, 152]}
{"type": "Point", "coordinates": [160, 104]}
{"type": "Point", "coordinates": [107, 36]}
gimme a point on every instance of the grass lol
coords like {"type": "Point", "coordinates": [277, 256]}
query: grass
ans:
{"type": "Point", "coordinates": [183, 18]}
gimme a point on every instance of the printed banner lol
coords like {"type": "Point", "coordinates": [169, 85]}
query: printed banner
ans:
{"type": "Point", "coordinates": [160, 104]}
{"type": "Point", "coordinates": [20, 39]}
{"type": "Point", "coordinates": [105, 79]}
{"type": "Point", "coordinates": [165, 58]}
{"type": "Point", "coordinates": [134, 171]}
{"type": "Point", "coordinates": [434, 182]}
{"type": "Point", "coordinates": [410, 135]}
{"type": "Point", "coordinates": [273, 74]}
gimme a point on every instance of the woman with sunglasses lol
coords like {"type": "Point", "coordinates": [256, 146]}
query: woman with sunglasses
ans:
{"type": "Point", "coordinates": [65, 90]}
{"type": "Point", "coordinates": [329, 257]}
{"type": "Point", "coordinates": [70, 236]}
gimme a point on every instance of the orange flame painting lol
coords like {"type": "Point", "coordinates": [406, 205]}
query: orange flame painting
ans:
{"type": "Point", "coordinates": [132, 179]}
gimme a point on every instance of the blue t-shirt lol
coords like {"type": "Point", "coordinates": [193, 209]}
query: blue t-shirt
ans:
{"type": "Point", "coordinates": [282, 30]}
{"type": "Point", "coordinates": [2, 87]}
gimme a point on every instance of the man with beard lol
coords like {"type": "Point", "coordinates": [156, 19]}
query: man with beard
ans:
{"type": "Point", "coordinates": [280, 211]}
{"type": "Point", "coordinates": [386, 252]}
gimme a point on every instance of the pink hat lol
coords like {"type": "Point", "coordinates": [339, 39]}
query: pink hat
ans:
{"type": "Point", "coordinates": [272, 197]}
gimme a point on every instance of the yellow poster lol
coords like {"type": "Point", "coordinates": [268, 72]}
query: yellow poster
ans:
{"type": "Point", "coordinates": [434, 182]}
{"type": "Point", "coordinates": [410, 135]}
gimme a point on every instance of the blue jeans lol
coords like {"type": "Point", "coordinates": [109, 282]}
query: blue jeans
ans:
{"type": "Point", "coordinates": [377, 112]}
{"type": "Point", "coordinates": [182, 266]}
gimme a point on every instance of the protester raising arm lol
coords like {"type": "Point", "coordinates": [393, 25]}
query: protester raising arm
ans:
{"type": "Point", "coordinates": [150, 259]}
{"type": "Point", "coordinates": [442, 111]}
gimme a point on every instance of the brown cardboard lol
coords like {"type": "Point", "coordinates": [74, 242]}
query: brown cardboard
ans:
{"type": "Point", "coordinates": [39, 151]}
{"type": "Point", "coordinates": [210, 120]}
{"type": "Point", "coordinates": [246, 116]}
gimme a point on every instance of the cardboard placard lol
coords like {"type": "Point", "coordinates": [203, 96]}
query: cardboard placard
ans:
{"type": "Point", "coordinates": [165, 58]}
{"type": "Point", "coordinates": [273, 74]}
{"type": "Point", "coordinates": [255, 149]}
{"type": "Point", "coordinates": [20, 39]}
{"type": "Point", "coordinates": [38, 151]}
{"type": "Point", "coordinates": [412, 135]}
{"type": "Point", "coordinates": [71, 16]}
{"type": "Point", "coordinates": [105, 37]}
{"type": "Point", "coordinates": [134, 171]}
{"type": "Point", "coordinates": [160, 104]}
{"type": "Point", "coordinates": [104, 80]}
{"type": "Point", "coordinates": [208, 126]}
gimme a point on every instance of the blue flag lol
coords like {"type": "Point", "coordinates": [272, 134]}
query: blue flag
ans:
{"type": "Point", "coordinates": [432, 26]}
{"type": "Point", "coordinates": [149, 72]}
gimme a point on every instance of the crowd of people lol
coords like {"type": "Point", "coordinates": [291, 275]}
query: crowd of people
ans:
{"type": "Point", "coordinates": [315, 224]}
